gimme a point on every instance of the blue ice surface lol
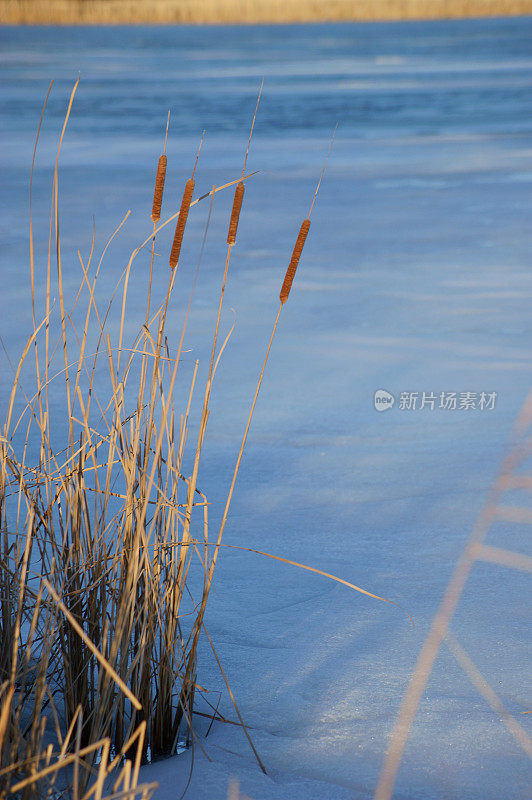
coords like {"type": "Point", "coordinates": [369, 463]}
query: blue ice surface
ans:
{"type": "Point", "coordinates": [416, 277]}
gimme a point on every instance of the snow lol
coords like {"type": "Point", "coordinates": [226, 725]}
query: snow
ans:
{"type": "Point", "coordinates": [415, 277]}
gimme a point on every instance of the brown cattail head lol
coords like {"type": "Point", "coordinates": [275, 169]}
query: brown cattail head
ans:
{"type": "Point", "coordinates": [181, 222]}
{"type": "Point", "coordinates": [235, 213]}
{"type": "Point", "coordinates": [158, 192]}
{"type": "Point", "coordinates": [294, 261]}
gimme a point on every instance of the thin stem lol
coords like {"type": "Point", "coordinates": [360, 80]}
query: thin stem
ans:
{"type": "Point", "coordinates": [323, 171]}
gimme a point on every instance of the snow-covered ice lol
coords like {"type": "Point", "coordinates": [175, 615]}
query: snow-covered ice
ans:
{"type": "Point", "coordinates": [416, 278]}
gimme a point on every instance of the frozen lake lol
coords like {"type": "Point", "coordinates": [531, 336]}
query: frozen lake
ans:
{"type": "Point", "coordinates": [416, 278]}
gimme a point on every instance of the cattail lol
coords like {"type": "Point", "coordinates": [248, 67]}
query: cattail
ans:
{"type": "Point", "coordinates": [235, 213]}
{"type": "Point", "coordinates": [158, 192]}
{"type": "Point", "coordinates": [294, 261]}
{"type": "Point", "coordinates": [181, 222]}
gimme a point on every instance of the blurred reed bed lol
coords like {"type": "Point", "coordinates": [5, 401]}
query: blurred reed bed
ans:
{"type": "Point", "coordinates": [101, 12]}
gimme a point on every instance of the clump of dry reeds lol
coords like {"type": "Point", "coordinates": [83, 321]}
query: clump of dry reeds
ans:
{"type": "Point", "coordinates": [99, 535]}
{"type": "Point", "coordinates": [97, 624]}
{"type": "Point", "coordinates": [101, 530]}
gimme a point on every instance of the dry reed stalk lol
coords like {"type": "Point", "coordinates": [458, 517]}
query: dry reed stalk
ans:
{"type": "Point", "coordinates": [483, 687]}
{"type": "Point", "coordinates": [159, 188]}
{"type": "Point", "coordinates": [239, 191]}
{"type": "Point", "coordinates": [235, 213]}
{"type": "Point", "coordinates": [233, 789]}
{"type": "Point", "coordinates": [303, 232]}
{"type": "Point", "coordinates": [181, 222]}
{"type": "Point", "coordinates": [294, 261]}
{"type": "Point", "coordinates": [156, 211]}
{"type": "Point", "coordinates": [83, 636]}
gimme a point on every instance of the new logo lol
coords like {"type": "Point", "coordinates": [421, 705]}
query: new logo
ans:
{"type": "Point", "coordinates": [383, 400]}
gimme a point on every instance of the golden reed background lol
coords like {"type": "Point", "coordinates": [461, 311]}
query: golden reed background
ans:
{"type": "Point", "coordinates": [246, 11]}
